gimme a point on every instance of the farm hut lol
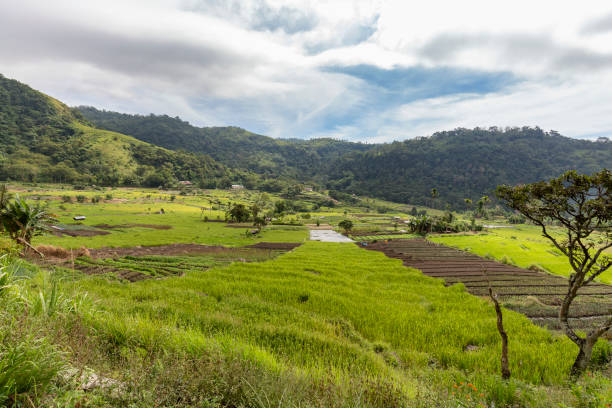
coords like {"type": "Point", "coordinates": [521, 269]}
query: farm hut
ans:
{"type": "Point", "coordinates": [185, 183]}
{"type": "Point", "coordinates": [237, 186]}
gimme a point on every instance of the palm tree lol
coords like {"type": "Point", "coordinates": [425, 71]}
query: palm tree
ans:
{"type": "Point", "coordinates": [22, 222]}
{"type": "Point", "coordinates": [434, 195]}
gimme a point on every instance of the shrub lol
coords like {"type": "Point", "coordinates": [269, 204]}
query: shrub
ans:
{"type": "Point", "coordinates": [81, 198]}
{"type": "Point", "coordinates": [66, 199]}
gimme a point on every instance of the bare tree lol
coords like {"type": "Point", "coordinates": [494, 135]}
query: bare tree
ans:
{"type": "Point", "coordinates": [582, 205]}
{"type": "Point", "coordinates": [505, 367]}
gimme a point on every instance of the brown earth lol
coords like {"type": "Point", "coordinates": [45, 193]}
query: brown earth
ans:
{"type": "Point", "coordinates": [121, 226]}
{"type": "Point", "coordinates": [282, 246]}
{"type": "Point", "coordinates": [79, 233]}
{"type": "Point", "coordinates": [171, 249]}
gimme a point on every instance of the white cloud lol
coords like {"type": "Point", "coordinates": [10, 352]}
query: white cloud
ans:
{"type": "Point", "coordinates": [259, 63]}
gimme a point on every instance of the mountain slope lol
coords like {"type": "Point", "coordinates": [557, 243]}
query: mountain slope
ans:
{"type": "Point", "coordinates": [232, 146]}
{"type": "Point", "coordinates": [465, 163]}
{"type": "Point", "coordinates": [461, 163]}
{"type": "Point", "coordinates": [41, 139]}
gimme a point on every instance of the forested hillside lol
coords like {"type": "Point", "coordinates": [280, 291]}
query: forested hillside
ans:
{"type": "Point", "coordinates": [232, 146]}
{"type": "Point", "coordinates": [465, 163]}
{"type": "Point", "coordinates": [41, 139]}
{"type": "Point", "coordinates": [462, 163]}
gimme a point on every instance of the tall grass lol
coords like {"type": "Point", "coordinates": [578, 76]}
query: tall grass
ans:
{"type": "Point", "coordinates": [329, 311]}
{"type": "Point", "coordinates": [28, 361]}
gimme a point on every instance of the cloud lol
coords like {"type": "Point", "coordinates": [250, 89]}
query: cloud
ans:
{"type": "Point", "coordinates": [356, 69]}
{"type": "Point", "coordinates": [258, 15]}
{"type": "Point", "coordinates": [598, 25]}
{"type": "Point", "coordinates": [527, 53]}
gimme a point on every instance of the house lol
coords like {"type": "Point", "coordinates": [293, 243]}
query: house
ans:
{"type": "Point", "coordinates": [185, 183]}
{"type": "Point", "coordinates": [237, 186]}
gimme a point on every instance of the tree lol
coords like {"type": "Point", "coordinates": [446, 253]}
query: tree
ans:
{"type": "Point", "coordinates": [582, 204]}
{"type": "Point", "coordinates": [255, 210]}
{"type": "Point", "coordinates": [22, 222]}
{"type": "Point", "coordinates": [482, 203]}
{"type": "Point", "coordinates": [346, 225]}
{"type": "Point", "coordinates": [239, 213]}
{"type": "Point", "coordinates": [505, 365]}
{"type": "Point", "coordinates": [434, 195]}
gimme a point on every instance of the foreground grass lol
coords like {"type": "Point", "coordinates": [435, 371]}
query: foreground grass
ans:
{"type": "Point", "coordinates": [323, 325]}
{"type": "Point", "coordinates": [522, 245]}
{"type": "Point", "coordinates": [329, 311]}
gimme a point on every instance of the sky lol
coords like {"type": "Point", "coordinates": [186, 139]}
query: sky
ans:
{"type": "Point", "coordinates": [368, 71]}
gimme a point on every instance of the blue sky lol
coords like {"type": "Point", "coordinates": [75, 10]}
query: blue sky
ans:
{"type": "Point", "coordinates": [372, 71]}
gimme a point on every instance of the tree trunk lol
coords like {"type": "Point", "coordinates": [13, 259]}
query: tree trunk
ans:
{"type": "Point", "coordinates": [582, 359]}
{"type": "Point", "coordinates": [505, 369]}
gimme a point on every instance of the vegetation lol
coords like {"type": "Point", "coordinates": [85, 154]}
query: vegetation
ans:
{"type": "Point", "coordinates": [463, 163]}
{"type": "Point", "coordinates": [583, 205]}
{"type": "Point", "coordinates": [458, 163]}
{"type": "Point", "coordinates": [22, 221]}
{"type": "Point", "coordinates": [44, 140]}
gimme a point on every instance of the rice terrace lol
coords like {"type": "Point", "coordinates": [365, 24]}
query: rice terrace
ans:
{"type": "Point", "coordinates": [305, 204]}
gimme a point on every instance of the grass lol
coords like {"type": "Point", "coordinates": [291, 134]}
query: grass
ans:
{"type": "Point", "coordinates": [323, 325]}
{"type": "Point", "coordinates": [333, 302]}
{"type": "Point", "coordinates": [522, 245]}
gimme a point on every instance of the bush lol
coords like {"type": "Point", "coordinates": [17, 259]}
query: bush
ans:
{"type": "Point", "coordinates": [66, 199]}
{"type": "Point", "coordinates": [81, 198]}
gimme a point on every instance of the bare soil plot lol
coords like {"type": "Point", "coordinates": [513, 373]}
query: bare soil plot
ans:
{"type": "Point", "coordinates": [76, 230]}
{"type": "Point", "coordinates": [138, 263]}
{"type": "Point", "coordinates": [534, 293]}
{"type": "Point", "coordinates": [122, 226]}
{"type": "Point", "coordinates": [283, 246]}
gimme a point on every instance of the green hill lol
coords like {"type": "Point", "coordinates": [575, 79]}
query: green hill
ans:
{"type": "Point", "coordinates": [459, 164]}
{"type": "Point", "coordinates": [232, 146]}
{"type": "Point", "coordinates": [465, 163]}
{"type": "Point", "coordinates": [41, 139]}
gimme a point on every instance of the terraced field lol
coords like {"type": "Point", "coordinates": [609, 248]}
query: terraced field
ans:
{"type": "Point", "coordinates": [138, 263]}
{"type": "Point", "coordinates": [534, 293]}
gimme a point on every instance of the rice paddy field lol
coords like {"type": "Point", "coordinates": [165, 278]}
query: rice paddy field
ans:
{"type": "Point", "coordinates": [521, 245]}
{"type": "Point", "coordinates": [138, 307]}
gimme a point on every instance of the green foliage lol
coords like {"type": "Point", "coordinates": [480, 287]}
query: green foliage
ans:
{"type": "Point", "coordinates": [463, 163]}
{"type": "Point", "coordinates": [346, 225]}
{"type": "Point", "coordinates": [22, 221]}
{"type": "Point", "coordinates": [44, 140]}
{"type": "Point", "coordinates": [239, 213]}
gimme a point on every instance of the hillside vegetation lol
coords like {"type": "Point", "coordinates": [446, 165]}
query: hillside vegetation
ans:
{"type": "Point", "coordinates": [463, 163]}
{"type": "Point", "coordinates": [41, 139]}
{"type": "Point", "coordinates": [232, 146]}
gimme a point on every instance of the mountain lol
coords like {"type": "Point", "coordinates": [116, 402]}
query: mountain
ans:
{"type": "Point", "coordinates": [41, 139]}
{"type": "Point", "coordinates": [465, 163]}
{"type": "Point", "coordinates": [232, 146]}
